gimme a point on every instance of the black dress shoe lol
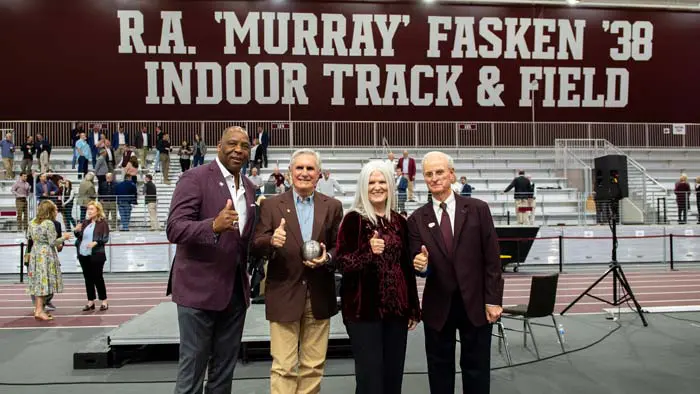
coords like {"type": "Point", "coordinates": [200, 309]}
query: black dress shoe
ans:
{"type": "Point", "coordinates": [89, 308]}
{"type": "Point", "coordinates": [104, 307]}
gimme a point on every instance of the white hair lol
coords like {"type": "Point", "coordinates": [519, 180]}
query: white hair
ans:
{"type": "Point", "coordinates": [362, 205]}
{"type": "Point", "coordinates": [305, 151]}
{"type": "Point", "coordinates": [437, 154]}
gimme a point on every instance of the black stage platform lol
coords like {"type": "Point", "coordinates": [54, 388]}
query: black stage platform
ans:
{"type": "Point", "coordinates": [515, 243]}
{"type": "Point", "coordinates": [155, 336]}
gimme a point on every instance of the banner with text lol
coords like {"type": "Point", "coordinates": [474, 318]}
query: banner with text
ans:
{"type": "Point", "coordinates": [347, 61]}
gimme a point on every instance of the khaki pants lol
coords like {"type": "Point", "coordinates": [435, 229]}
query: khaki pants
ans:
{"type": "Point", "coordinates": [301, 344]}
{"type": "Point", "coordinates": [44, 162]}
{"type": "Point", "coordinates": [26, 166]}
{"type": "Point", "coordinates": [110, 208]}
{"type": "Point", "coordinates": [9, 167]}
{"type": "Point", "coordinates": [411, 184]}
{"type": "Point", "coordinates": [21, 205]}
{"type": "Point", "coordinates": [119, 155]}
{"type": "Point", "coordinates": [165, 167]}
{"type": "Point", "coordinates": [142, 159]}
{"type": "Point", "coordinates": [520, 212]}
{"type": "Point", "coordinates": [153, 216]}
{"type": "Point", "coordinates": [531, 215]}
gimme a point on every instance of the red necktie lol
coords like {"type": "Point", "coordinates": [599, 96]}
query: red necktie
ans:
{"type": "Point", "coordinates": [446, 227]}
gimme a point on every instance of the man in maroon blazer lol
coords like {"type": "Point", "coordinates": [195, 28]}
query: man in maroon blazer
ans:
{"type": "Point", "coordinates": [300, 295]}
{"type": "Point", "coordinates": [454, 244]}
{"type": "Point", "coordinates": [408, 166]}
{"type": "Point", "coordinates": [212, 216]}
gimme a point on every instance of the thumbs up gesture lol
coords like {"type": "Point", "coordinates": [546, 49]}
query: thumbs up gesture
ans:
{"type": "Point", "coordinates": [420, 262]}
{"type": "Point", "coordinates": [280, 235]}
{"type": "Point", "coordinates": [376, 243]}
{"type": "Point", "coordinates": [226, 219]}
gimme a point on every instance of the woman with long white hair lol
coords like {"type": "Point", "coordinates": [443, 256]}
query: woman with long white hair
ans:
{"type": "Point", "coordinates": [379, 297]}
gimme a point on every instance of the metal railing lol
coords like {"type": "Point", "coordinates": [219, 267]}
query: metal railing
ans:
{"type": "Point", "coordinates": [330, 133]}
{"type": "Point", "coordinates": [577, 172]}
{"type": "Point", "coordinates": [644, 190]}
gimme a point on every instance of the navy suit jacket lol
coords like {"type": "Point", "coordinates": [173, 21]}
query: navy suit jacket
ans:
{"type": "Point", "coordinates": [115, 139]}
{"type": "Point", "coordinates": [205, 266]}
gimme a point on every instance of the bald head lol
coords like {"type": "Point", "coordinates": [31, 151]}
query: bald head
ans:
{"type": "Point", "coordinates": [438, 157]}
{"type": "Point", "coordinates": [438, 172]}
{"type": "Point", "coordinates": [232, 130]}
{"type": "Point", "coordinates": [234, 149]}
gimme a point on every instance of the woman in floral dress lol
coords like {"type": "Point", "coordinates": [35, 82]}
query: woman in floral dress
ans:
{"type": "Point", "coordinates": [44, 267]}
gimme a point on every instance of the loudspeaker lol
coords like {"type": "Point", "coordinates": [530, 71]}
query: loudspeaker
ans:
{"type": "Point", "coordinates": [610, 176]}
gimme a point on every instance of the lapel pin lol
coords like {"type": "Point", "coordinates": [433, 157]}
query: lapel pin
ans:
{"type": "Point", "coordinates": [221, 184]}
{"type": "Point", "coordinates": [431, 224]}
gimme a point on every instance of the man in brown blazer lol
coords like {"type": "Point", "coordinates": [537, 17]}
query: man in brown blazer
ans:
{"type": "Point", "coordinates": [454, 244]}
{"type": "Point", "coordinates": [212, 216]}
{"type": "Point", "coordinates": [300, 295]}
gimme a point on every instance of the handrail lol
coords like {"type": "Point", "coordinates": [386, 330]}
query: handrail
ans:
{"type": "Point", "coordinates": [638, 166]}
{"type": "Point", "coordinates": [149, 121]}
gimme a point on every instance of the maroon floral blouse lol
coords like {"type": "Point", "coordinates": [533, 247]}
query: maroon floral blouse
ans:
{"type": "Point", "coordinates": [376, 286]}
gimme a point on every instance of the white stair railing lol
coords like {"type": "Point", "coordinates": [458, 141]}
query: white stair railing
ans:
{"type": "Point", "coordinates": [644, 190]}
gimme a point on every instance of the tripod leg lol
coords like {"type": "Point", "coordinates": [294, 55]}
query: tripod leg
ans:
{"type": "Point", "coordinates": [623, 281]}
{"type": "Point", "coordinates": [586, 291]}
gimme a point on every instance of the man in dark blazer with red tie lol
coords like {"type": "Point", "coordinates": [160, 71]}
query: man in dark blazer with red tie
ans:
{"type": "Point", "coordinates": [212, 218]}
{"type": "Point", "coordinates": [455, 246]}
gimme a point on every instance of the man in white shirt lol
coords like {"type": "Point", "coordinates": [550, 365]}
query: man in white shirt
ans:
{"type": "Point", "coordinates": [328, 185]}
{"type": "Point", "coordinates": [120, 140]}
{"type": "Point", "coordinates": [408, 167]}
{"type": "Point", "coordinates": [257, 181]}
{"type": "Point", "coordinates": [212, 216]}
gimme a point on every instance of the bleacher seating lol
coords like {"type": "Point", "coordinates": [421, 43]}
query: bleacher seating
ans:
{"type": "Point", "coordinates": [666, 166]}
{"type": "Point", "coordinates": [489, 171]}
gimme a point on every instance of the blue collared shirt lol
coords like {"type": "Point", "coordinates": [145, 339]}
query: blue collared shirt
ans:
{"type": "Point", "coordinates": [8, 149]}
{"type": "Point", "coordinates": [83, 149]}
{"type": "Point", "coordinates": [305, 214]}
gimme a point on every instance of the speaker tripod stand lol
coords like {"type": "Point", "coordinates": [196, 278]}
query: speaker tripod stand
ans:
{"type": "Point", "coordinates": [615, 269]}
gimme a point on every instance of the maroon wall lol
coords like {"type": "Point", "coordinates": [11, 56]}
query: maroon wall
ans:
{"type": "Point", "coordinates": [61, 60]}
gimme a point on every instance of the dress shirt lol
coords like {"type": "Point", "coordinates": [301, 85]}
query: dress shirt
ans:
{"type": "Point", "coordinates": [451, 207]}
{"type": "Point", "coordinates": [83, 149]}
{"type": "Point", "coordinates": [451, 204]}
{"type": "Point", "coordinates": [237, 195]}
{"type": "Point", "coordinates": [257, 180]}
{"type": "Point", "coordinates": [88, 232]}
{"type": "Point", "coordinates": [21, 189]}
{"type": "Point", "coordinates": [8, 149]}
{"type": "Point", "coordinates": [329, 186]}
{"type": "Point", "coordinates": [305, 214]}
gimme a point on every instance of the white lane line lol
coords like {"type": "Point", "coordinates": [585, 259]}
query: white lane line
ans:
{"type": "Point", "coordinates": [54, 327]}
{"type": "Point", "coordinates": [67, 307]}
{"type": "Point", "coordinates": [83, 299]}
{"type": "Point", "coordinates": [101, 315]}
